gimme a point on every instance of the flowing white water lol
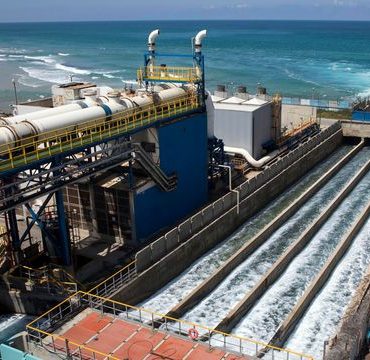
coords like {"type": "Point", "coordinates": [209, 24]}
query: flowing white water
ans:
{"type": "Point", "coordinates": [266, 316]}
{"type": "Point", "coordinates": [324, 315]}
{"type": "Point", "coordinates": [218, 303]}
{"type": "Point", "coordinates": [180, 287]}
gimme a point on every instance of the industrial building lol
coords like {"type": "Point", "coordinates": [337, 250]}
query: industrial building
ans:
{"type": "Point", "coordinates": [108, 195]}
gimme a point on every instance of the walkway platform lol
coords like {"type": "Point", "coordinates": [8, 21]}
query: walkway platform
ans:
{"type": "Point", "coordinates": [121, 339]}
{"type": "Point", "coordinates": [87, 326]}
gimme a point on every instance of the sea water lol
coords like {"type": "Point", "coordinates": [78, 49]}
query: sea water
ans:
{"type": "Point", "coordinates": [312, 59]}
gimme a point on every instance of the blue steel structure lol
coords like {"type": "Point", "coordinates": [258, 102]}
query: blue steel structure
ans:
{"type": "Point", "coordinates": [183, 151]}
{"type": "Point", "coordinates": [48, 176]}
{"type": "Point", "coordinates": [361, 116]}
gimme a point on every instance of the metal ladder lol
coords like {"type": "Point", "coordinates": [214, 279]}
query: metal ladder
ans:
{"type": "Point", "coordinates": [166, 183]}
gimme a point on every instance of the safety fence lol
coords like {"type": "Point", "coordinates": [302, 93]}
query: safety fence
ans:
{"type": "Point", "coordinates": [168, 73]}
{"type": "Point", "coordinates": [319, 103]}
{"type": "Point", "coordinates": [115, 281]}
{"type": "Point", "coordinates": [40, 331]}
{"type": "Point", "coordinates": [172, 239]}
{"type": "Point", "coordinates": [51, 143]}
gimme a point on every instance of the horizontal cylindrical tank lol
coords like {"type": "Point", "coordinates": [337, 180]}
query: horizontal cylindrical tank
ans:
{"type": "Point", "coordinates": [48, 112]}
{"type": "Point", "coordinates": [169, 94]}
{"type": "Point", "coordinates": [104, 110]}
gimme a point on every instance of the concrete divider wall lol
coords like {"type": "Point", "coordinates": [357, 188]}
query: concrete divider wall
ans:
{"type": "Point", "coordinates": [213, 211]}
{"type": "Point", "coordinates": [257, 240]}
{"type": "Point", "coordinates": [352, 334]}
{"type": "Point", "coordinates": [217, 230]}
{"type": "Point", "coordinates": [269, 278]}
{"type": "Point", "coordinates": [287, 327]}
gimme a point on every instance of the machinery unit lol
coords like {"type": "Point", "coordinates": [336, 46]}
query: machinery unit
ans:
{"type": "Point", "coordinates": [243, 124]}
{"type": "Point", "coordinates": [127, 163]}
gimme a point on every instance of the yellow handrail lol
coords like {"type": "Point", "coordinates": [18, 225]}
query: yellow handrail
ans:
{"type": "Point", "coordinates": [169, 73]}
{"type": "Point", "coordinates": [124, 269]}
{"type": "Point", "coordinates": [88, 297]}
{"type": "Point", "coordinates": [55, 142]}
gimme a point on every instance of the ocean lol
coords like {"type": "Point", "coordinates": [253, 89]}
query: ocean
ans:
{"type": "Point", "coordinates": [312, 59]}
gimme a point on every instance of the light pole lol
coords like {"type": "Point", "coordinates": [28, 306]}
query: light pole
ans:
{"type": "Point", "coordinates": [15, 91]}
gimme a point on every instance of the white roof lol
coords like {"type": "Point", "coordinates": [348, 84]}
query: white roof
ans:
{"type": "Point", "coordinates": [233, 100]}
{"type": "Point", "coordinates": [255, 101]}
{"type": "Point", "coordinates": [235, 107]}
{"type": "Point", "coordinates": [217, 98]}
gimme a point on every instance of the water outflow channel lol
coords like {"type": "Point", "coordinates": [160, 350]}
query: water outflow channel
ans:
{"type": "Point", "coordinates": [265, 317]}
{"type": "Point", "coordinates": [325, 312]}
{"type": "Point", "coordinates": [175, 291]}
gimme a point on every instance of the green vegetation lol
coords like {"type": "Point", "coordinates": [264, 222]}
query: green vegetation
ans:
{"type": "Point", "coordinates": [344, 114]}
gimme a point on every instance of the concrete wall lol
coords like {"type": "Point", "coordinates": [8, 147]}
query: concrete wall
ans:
{"type": "Point", "coordinates": [167, 257]}
{"type": "Point", "coordinates": [356, 129]}
{"type": "Point", "coordinates": [295, 114]}
{"type": "Point", "coordinates": [351, 336]}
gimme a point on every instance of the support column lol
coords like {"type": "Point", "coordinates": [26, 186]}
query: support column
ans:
{"type": "Point", "coordinates": [94, 221]}
{"type": "Point", "coordinates": [65, 244]}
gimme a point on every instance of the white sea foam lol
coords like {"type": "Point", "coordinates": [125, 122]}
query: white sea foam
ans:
{"type": "Point", "coordinates": [30, 82]}
{"type": "Point", "coordinates": [44, 59]}
{"type": "Point", "coordinates": [48, 75]}
{"type": "Point", "coordinates": [71, 69]}
{"type": "Point", "coordinates": [63, 54]}
{"type": "Point", "coordinates": [365, 93]}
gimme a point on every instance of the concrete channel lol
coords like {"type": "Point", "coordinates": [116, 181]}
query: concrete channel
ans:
{"type": "Point", "coordinates": [154, 275]}
{"type": "Point", "coordinates": [240, 310]}
{"type": "Point", "coordinates": [287, 327]}
{"type": "Point", "coordinates": [241, 255]}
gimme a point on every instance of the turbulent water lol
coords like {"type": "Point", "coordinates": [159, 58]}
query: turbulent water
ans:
{"type": "Point", "coordinates": [181, 286]}
{"type": "Point", "coordinates": [262, 321]}
{"type": "Point", "coordinates": [303, 58]}
{"type": "Point", "coordinates": [326, 311]}
{"type": "Point", "coordinates": [265, 317]}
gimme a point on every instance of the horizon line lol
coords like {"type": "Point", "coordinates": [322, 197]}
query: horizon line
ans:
{"type": "Point", "coordinates": [177, 20]}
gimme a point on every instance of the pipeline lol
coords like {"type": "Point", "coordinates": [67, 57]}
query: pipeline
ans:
{"type": "Point", "coordinates": [78, 105]}
{"type": "Point", "coordinates": [39, 125]}
{"type": "Point", "coordinates": [255, 163]}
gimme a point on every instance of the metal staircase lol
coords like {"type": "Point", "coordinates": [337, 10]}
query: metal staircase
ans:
{"type": "Point", "coordinates": [166, 183]}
